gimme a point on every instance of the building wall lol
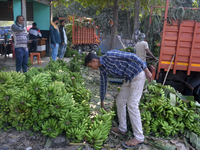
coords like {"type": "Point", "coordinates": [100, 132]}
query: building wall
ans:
{"type": "Point", "coordinates": [41, 15]}
{"type": "Point", "coordinates": [17, 10]}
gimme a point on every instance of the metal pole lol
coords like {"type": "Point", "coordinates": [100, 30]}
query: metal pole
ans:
{"type": "Point", "coordinates": [24, 12]}
{"type": "Point", "coordinates": [163, 35]}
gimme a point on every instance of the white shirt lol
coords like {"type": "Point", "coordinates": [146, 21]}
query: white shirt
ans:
{"type": "Point", "coordinates": [65, 36]}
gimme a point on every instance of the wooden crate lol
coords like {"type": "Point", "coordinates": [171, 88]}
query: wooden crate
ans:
{"type": "Point", "coordinates": [42, 41]}
{"type": "Point", "coordinates": [42, 53]}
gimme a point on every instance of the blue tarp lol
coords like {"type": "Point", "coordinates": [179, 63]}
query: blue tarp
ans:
{"type": "Point", "coordinates": [118, 45]}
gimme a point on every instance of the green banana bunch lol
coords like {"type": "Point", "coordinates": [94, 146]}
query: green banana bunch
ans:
{"type": "Point", "coordinates": [35, 123]}
{"type": "Point", "coordinates": [18, 78]}
{"type": "Point", "coordinates": [78, 77]}
{"type": "Point", "coordinates": [31, 72]}
{"type": "Point", "coordinates": [4, 125]}
{"type": "Point", "coordinates": [65, 77]}
{"type": "Point", "coordinates": [51, 128]}
{"type": "Point", "coordinates": [55, 76]}
{"type": "Point", "coordinates": [7, 95]}
{"type": "Point", "coordinates": [28, 99]}
{"type": "Point", "coordinates": [166, 127]}
{"type": "Point", "coordinates": [146, 116]}
{"type": "Point", "coordinates": [38, 83]}
{"type": "Point", "coordinates": [40, 110]}
{"type": "Point", "coordinates": [40, 69]}
{"type": "Point", "coordinates": [77, 133]}
{"type": "Point", "coordinates": [80, 94]}
{"type": "Point", "coordinates": [86, 107]}
{"type": "Point", "coordinates": [23, 100]}
{"type": "Point", "coordinates": [6, 80]}
{"type": "Point", "coordinates": [68, 120]}
{"type": "Point", "coordinates": [22, 125]}
{"type": "Point", "coordinates": [17, 114]}
{"type": "Point", "coordinates": [50, 93]}
{"type": "Point", "coordinates": [58, 108]}
{"type": "Point", "coordinates": [192, 105]}
{"type": "Point", "coordinates": [100, 128]}
{"type": "Point", "coordinates": [53, 66]}
{"type": "Point", "coordinates": [177, 128]}
{"type": "Point", "coordinates": [156, 90]}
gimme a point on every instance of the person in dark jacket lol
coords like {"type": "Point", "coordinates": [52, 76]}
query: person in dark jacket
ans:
{"type": "Point", "coordinates": [63, 36]}
{"type": "Point", "coordinates": [34, 34]}
{"type": "Point", "coordinates": [55, 37]}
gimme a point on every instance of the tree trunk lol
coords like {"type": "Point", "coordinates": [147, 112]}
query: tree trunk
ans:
{"type": "Point", "coordinates": [128, 21]}
{"type": "Point", "coordinates": [114, 27]}
{"type": "Point", "coordinates": [136, 19]}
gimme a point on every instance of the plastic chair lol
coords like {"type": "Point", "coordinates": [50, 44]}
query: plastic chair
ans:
{"type": "Point", "coordinates": [38, 58]}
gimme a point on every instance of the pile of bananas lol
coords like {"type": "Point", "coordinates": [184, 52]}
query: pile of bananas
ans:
{"type": "Point", "coordinates": [48, 100]}
{"type": "Point", "coordinates": [162, 118]}
{"type": "Point", "coordinates": [80, 93]}
{"type": "Point", "coordinates": [100, 128]}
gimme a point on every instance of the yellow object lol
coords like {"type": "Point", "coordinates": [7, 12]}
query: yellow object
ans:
{"type": "Point", "coordinates": [181, 64]}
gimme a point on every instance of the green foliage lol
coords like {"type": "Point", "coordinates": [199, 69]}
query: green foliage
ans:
{"type": "Point", "coordinates": [68, 52]}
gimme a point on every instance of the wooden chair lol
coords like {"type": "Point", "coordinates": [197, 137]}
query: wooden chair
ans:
{"type": "Point", "coordinates": [38, 58]}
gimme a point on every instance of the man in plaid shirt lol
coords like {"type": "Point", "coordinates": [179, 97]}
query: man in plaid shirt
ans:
{"type": "Point", "coordinates": [130, 67]}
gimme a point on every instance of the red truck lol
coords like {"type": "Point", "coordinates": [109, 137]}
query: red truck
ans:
{"type": "Point", "coordinates": [85, 34]}
{"type": "Point", "coordinates": [179, 61]}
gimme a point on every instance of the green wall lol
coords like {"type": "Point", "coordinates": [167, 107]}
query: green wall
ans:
{"type": "Point", "coordinates": [41, 15]}
{"type": "Point", "coordinates": [16, 8]}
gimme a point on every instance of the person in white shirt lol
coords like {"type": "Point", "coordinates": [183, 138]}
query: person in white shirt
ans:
{"type": "Point", "coordinates": [142, 49]}
{"type": "Point", "coordinates": [63, 36]}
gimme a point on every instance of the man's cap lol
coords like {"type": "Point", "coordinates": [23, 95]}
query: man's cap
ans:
{"type": "Point", "coordinates": [142, 35]}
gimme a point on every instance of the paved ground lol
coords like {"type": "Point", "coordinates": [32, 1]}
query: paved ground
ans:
{"type": "Point", "coordinates": [8, 63]}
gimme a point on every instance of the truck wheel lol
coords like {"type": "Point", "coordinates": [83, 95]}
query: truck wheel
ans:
{"type": "Point", "coordinates": [196, 96]}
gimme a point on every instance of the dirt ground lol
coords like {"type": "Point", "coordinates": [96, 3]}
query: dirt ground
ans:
{"type": "Point", "coordinates": [30, 140]}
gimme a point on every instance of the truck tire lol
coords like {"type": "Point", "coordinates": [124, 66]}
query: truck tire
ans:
{"type": "Point", "coordinates": [196, 93]}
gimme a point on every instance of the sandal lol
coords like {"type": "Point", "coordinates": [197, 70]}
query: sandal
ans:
{"type": "Point", "coordinates": [131, 144]}
{"type": "Point", "coordinates": [116, 130]}
{"type": "Point", "coordinates": [126, 146]}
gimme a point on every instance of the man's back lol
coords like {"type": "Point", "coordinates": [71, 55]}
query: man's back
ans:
{"type": "Point", "coordinates": [34, 33]}
{"type": "Point", "coordinates": [141, 47]}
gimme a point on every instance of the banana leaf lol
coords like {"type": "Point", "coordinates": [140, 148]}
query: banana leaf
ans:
{"type": "Point", "coordinates": [48, 142]}
{"type": "Point", "coordinates": [163, 146]}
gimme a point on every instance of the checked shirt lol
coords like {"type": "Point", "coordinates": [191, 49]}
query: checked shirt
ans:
{"type": "Point", "coordinates": [119, 64]}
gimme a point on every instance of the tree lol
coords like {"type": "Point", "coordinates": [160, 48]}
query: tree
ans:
{"type": "Point", "coordinates": [115, 23]}
{"type": "Point", "coordinates": [136, 18]}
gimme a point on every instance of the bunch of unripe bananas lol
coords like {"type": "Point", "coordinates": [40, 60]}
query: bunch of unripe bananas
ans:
{"type": "Point", "coordinates": [100, 128]}
{"type": "Point", "coordinates": [163, 118]}
{"type": "Point", "coordinates": [48, 100]}
{"type": "Point", "coordinates": [80, 93]}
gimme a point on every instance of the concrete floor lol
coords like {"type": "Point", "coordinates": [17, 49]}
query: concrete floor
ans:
{"type": "Point", "coordinates": [9, 62]}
